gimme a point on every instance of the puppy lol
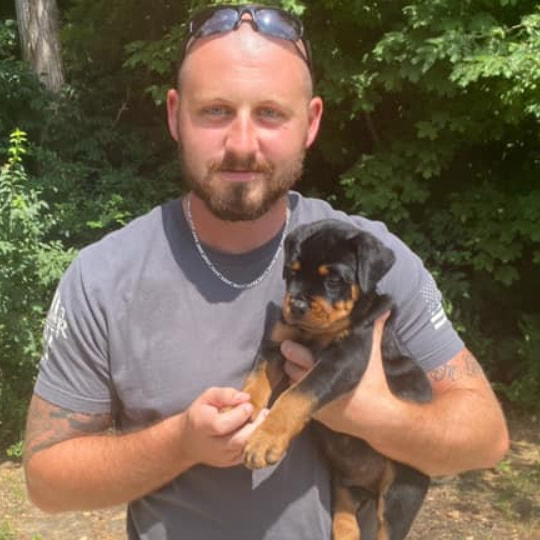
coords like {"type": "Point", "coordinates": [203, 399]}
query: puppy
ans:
{"type": "Point", "coordinates": [331, 304]}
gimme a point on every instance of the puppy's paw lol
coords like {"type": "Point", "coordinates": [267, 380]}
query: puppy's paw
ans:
{"type": "Point", "coordinates": [345, 527]}
{"type": "Point", "coordinates": [264, 448]}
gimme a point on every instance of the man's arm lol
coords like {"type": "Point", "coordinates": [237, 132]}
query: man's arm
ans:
{"type": "Point", "coordinates": [74, 461]}
{"type": "Point", "coordinates": [462, 428]}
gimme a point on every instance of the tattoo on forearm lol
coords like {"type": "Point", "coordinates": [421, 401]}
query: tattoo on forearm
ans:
{"type": "Point", "coordinates": [465, 365]}
{"type": "Point", "coordinates": [84, 424]}
{"type": "Point", "coordinates": [48, 425]}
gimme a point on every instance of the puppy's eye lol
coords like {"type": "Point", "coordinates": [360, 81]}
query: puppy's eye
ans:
{"type": "Point", "coordinates": [291, 269]}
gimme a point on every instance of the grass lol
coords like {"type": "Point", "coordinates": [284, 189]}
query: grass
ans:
{"type": "Point", "coordinates": [517, 490]}
{"type": "Point", "coordinates": [6, 531]}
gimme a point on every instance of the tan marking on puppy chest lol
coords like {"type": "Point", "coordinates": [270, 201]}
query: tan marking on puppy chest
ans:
{"type": "Point", "coordinates": [323, 270]}
{"type": "Point", "coordinates": [343, 307]}
{"type": "Point", "coordinates": [341, 335]}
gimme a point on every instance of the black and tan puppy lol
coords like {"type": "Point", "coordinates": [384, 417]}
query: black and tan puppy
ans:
{"type": "Point", "coordinates": [331, 305]}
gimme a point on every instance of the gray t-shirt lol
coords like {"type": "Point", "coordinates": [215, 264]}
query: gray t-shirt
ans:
{"type": "Point", "coordinates": [140, 327]}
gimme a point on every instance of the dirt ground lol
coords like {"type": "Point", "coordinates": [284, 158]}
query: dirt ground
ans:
{"type": "Point", "coordinates": [503, 503]}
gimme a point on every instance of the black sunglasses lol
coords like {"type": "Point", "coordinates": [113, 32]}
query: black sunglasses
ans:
{"type": "Point", "coordinates": [271, 21]}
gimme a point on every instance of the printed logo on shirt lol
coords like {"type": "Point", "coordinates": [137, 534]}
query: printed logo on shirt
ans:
{"type": "Point", "coordinates": [433, 298]}
{"type": "Point", "coordinates": [55, 325]}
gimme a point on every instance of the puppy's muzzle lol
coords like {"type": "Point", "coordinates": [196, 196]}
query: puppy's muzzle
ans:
{"type": "Point", "coordinates": [298, 306]}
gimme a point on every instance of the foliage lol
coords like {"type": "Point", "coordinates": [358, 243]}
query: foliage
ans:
{"type": "Point", "coordinates": [29, 266]}
{"type": "Point", "coordinates": [431, 124]}
{"type": "Point", "coordinates": [20, 93]}
{"type": "Point", "coordinates": [525, 390]}
{"type": "Point", "coordinates": [90, 170]}
{"type": "Point", "coordinates": [15, 451]}
{"type": "Point", "coordinates": [6, 531]}
{"type": "Point", "coordinates": [435, 128]}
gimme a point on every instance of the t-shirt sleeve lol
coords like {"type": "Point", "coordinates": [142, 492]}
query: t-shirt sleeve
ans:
{"type": "Point", "coordinates": [73, 371]}
{"type": "Point", "coordinates": [420, 326]}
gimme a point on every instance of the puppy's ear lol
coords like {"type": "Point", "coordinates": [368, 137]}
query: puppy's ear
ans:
{"type": "Point", "coordinates": [374, 260]}
{"type": "Point", "coordinates": [290, 246]}
{"type": "Point", "coordinates": [295, 238]}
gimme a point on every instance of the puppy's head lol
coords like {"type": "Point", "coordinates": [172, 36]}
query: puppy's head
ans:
{"type": "Point", "coordinates": [329, 266]}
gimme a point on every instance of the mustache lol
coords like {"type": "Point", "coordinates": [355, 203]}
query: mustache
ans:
{"type": "Point", "coordinates": [232, 162]}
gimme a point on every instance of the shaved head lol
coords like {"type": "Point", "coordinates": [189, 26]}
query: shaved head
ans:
{"type": "Point", "coordinates": [247, 45]}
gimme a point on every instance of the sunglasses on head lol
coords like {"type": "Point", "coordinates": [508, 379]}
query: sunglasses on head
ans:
{"type": "Point", "coordinates": [270, 21]}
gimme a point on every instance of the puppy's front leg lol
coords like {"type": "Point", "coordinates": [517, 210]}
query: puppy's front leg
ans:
{"type": "Point", "coordinates": [288, 416]}
{"type": "Point", "coordinates": [334, 373]}
{"type": "Point", "coordinates": [264, 379]}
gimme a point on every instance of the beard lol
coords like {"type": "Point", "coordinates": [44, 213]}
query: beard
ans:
{"type": "Point", "coordinates": [242, 201]}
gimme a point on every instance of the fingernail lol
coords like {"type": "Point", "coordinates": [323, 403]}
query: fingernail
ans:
{"type": "Point", "coordinates": [248, 408]}
{"type": "Point", "coordinates": [241, 396]}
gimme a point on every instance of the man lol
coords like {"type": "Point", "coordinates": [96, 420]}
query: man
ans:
{"type": "Point", "coordinates": [154, 328]}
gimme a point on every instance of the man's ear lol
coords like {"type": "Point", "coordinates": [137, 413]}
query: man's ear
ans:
{"type": "Point", "coordinates": [173, 102]}
{"type": "Point", "coordinates": [314, 118]}
{"type": "Point", "coordinates": [374, 260]}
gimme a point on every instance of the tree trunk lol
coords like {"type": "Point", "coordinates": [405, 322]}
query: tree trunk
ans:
{"type": "Point", "coordinates": [38, 29]}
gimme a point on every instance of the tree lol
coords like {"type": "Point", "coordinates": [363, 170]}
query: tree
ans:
{"type": "Point", "coordinates": [38, 29]}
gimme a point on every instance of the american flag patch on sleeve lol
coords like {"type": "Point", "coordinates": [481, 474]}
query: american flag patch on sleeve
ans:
{"type": "Point", "coordinates": [433, 298]}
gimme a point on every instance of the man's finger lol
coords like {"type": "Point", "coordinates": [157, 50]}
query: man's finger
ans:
{"type": "Point", "coordinates": [241, 437]}
{"type": "Point", "coordinates": [375, 362]}
{"type": "Point", "coordinates": [294, 372]}
{"type": "Point", "coordinates": [232, 419]}
{"type": "Point", "coordinates": [297, 354]}
{"type": "Point", "coordinates": [225, 397]}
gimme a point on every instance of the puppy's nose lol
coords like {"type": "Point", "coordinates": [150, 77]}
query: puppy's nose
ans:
{"type": "Point", "coordinates": [299, 306]}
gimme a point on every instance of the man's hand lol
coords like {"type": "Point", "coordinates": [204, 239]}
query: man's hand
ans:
{"type": "Point", "coordinates": [372, 391]}
{"type": "Point", "coordinates": [216, 427]}
{"type": "Point", "coordinates": [73, 462]}
{"type": "Point", "coordinates": [462, 428]}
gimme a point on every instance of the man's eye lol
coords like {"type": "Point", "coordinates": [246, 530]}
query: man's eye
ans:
{"type": "Point", "coordinates": [270, 113]}
{"type": "Point", "coordinates": [216, 111]}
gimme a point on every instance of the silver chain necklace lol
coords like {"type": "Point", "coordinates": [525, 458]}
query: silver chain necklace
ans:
{"type": "Point", "coordinates": [216, 272]}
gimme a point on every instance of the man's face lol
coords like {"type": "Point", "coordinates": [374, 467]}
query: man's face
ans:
{"type": "Point", "coordinates": [243, 119]}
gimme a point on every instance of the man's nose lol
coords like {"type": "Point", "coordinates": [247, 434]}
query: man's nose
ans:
{"type": "Point", "coordinates": [242, 137]}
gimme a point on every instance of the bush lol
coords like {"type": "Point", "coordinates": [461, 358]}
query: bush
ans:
{"type": "Point", "coordinates": [30, 266]}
